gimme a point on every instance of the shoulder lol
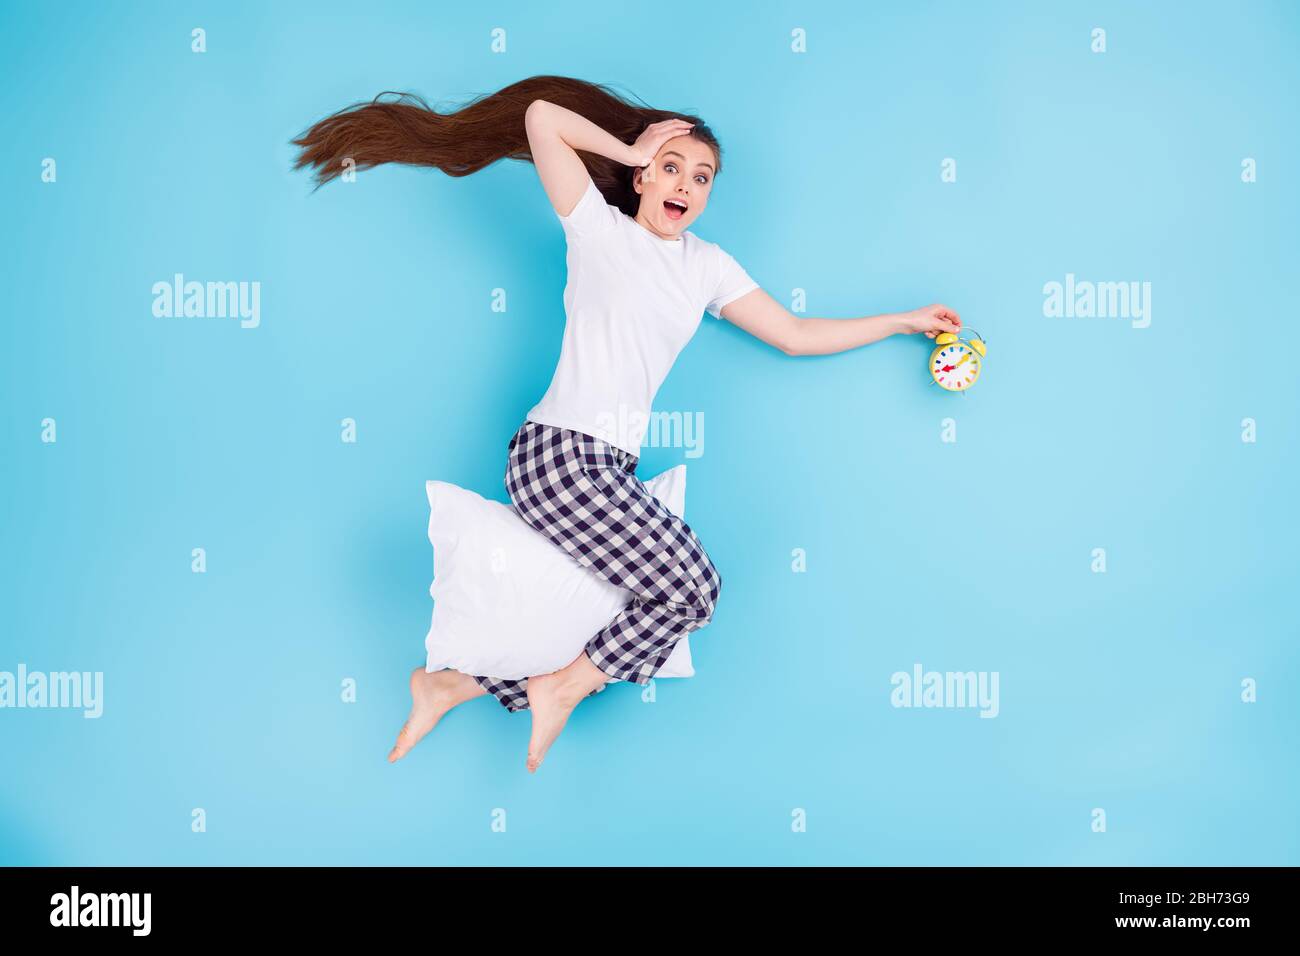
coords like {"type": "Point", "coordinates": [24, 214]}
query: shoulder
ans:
{"type": "Point", "coordinates": [592, 215]}
{"type": "Point", "coordinates": [710, 251]}
{"type": "Point", "coordinates": [703, 248]}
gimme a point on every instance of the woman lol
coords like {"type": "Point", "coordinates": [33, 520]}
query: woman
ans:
{"type": "Point", "coordinates": [626, 182]}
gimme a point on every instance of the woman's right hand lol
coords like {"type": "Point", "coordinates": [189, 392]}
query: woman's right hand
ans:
{"type": "Point", "coordinates": [652, 139]}
{"type": "Point", "coordinates": [932, 319]}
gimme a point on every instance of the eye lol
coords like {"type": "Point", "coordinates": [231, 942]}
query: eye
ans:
{"type": "Point", "coordinates": [670, 167]}
{"type": "Point", "coordinates": [702, 179]}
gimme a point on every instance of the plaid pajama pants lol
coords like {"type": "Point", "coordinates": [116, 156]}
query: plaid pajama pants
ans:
{"type": "Point", "coordinates": [584, 495]}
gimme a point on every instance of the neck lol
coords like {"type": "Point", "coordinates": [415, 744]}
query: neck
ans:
{"type": "Point", "coordinates": [653, 231]}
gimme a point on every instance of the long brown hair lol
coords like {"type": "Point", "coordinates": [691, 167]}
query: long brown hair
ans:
{"type": "Point", "coordinates": [488, 128]}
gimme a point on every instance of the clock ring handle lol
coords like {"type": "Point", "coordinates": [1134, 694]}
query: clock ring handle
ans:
{"type": "Point", "coordinates": [947, 338]}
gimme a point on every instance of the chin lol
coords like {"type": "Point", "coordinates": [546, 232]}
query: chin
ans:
{"type": "Point", "coordinates": [676, 227]}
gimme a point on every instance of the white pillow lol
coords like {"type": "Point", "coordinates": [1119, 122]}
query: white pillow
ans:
{"type": "Point", "coordinates": [510, 603]}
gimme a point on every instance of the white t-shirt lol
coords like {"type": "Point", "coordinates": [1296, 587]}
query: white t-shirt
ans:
{"type": "Point", "coordinates": [632, 301]}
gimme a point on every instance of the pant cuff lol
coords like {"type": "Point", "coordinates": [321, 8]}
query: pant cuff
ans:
{"type": "Point", "coordinates": [632, 673]}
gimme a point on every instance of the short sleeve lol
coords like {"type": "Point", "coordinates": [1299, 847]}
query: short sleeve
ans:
{"type": "Point", "coordinates": [591, 216]}
{"type": "Point", "coordinates": [730, 283]}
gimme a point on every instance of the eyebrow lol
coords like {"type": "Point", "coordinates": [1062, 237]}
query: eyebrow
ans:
{"type": "Point", "coordinates": [680, 156]}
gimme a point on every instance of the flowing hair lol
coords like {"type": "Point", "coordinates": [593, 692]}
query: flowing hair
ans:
{"type": "Point", "coordinates": [491, 127]}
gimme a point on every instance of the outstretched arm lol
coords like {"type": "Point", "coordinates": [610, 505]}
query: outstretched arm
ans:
{"type": "Point", "coordinates": [556, 133]}
{"type": "Point", "coordinates": [764, 318]}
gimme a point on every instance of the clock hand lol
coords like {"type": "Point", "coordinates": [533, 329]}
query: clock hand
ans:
{"type": "Point", "coordinates": [963, 358]}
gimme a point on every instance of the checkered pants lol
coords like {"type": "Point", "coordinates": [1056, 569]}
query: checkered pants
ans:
{"type": "Point", "coordinates": [584, 495]}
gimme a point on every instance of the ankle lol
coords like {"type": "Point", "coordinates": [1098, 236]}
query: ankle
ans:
{"type": "Point", "coordinates": [468, 688]}
{"type": "Point", "coordinates": [461, 687]}
{"type": "Point", "coordinates": [582, 677]}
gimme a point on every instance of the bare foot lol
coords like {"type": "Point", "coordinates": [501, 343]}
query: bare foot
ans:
{"type": "Point", "coordinates": [551, 699]}
{"type": "Point", "coordinates": [432, 695]}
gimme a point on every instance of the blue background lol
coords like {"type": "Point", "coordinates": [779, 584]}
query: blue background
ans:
{"type": "Point", "coordinates": [222, 690]}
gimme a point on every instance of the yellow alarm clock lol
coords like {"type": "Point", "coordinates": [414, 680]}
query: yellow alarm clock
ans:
{"type": "Point", "coordinates": [955, 365]}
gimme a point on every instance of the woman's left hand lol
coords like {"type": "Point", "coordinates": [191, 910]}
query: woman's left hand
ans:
{"type": "Point", "coordinates": [651, 140]}
{"type": "Point", "coordinates": [932, 319]}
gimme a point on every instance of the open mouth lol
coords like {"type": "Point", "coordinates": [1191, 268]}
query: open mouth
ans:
{"type": "Point", "coordinates": [674, 208]}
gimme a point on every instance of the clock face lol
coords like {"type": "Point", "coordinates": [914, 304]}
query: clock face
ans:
{"type": "Point", "coordinates": [956, 366]}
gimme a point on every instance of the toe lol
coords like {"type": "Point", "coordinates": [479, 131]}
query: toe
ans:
{"type": "Point", "coordinates": [402, 746]}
